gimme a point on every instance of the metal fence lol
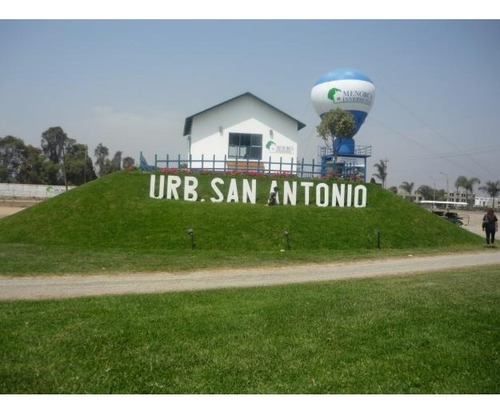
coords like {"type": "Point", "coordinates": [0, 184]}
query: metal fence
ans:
{"type": "Point", "coordinates": [300, 168]}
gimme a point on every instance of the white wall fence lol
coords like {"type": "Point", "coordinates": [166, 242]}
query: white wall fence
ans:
{"type": "Point", "coordinates": [17, 190]}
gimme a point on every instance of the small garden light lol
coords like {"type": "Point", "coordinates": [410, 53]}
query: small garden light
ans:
{"type": "Point", "coordinates": [191, 235]}
{"type": "Point", "coordinates": [377, 233]}
{"type": "Point", "coordinates": [286, 235]}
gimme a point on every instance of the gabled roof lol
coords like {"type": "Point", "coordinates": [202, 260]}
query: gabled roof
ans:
{"type": "Point", "coordinates": [189, 120]}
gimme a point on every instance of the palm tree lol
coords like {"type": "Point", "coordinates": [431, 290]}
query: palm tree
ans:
{"type": "Point", "coordinates": [461, 182]}
{"type": "Point", "coordinates": [407, 187]}
{"type": "Point", "coordinates": [492, 189]}
{"type": "Point", "coordinates": [427, 192]}
{"type": "Point", "coordinates": [469, 188]}
{"type": "Point", "coordinates": [467, 184]}
{"type": "Point", "coordinates": [381, 171]}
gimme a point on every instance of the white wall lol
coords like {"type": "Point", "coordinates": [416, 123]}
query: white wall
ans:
{"type": "Point", "coordinates": [16, 190]}
{"type": "Point", "coordinates": [210, 130]}
{"type": "Point", "coordinates": [482, 201]}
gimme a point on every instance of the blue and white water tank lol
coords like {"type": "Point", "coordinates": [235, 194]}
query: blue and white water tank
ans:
{"type": "Point", "coordinates": [348, 89]}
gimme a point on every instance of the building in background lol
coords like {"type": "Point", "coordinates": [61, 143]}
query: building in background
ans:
{"type": "Point", "coordinates": [243, 133]}
{"type": "Point", "coordinates": [485, 201]}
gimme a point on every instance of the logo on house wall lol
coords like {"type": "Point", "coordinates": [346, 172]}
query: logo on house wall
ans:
{"type": "Point", "coordinates": [278, 149]}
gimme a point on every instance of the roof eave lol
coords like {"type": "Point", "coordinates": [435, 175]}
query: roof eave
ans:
{"type": "Point", "coordinates": [189, 120]}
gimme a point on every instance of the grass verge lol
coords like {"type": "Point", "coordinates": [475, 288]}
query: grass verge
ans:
{"type": "Point", "coordinates": [39, 260]}
{"type": "Point", "coordinates": [429, 333]}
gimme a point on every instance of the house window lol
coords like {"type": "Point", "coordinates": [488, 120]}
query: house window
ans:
{"type": "Point", "coordinates": [245, 146]}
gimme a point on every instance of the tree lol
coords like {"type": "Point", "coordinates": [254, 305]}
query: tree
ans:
{"type": "Point", "coordinates": [107, 166]}
{"type": "Point", "coordinates": [35, 167]}
{"type": "Point", "coordinates": [461, 182]}
{"type": "Point", "coordinates": [468, 185]}
{"type": "Point", "coordinates": [55, 143]}
{"type": "Point", "coordinates": [112, 165]}
{"type": "Point", "coordinates": [427, 192]}
{"type": "Point", "coordinates": [11, 158]}
{"type": "Point", "coordinates": [431, 194]}
{"type": "Point", "coordinates": [407, 187]}
{"type": "Point", "coordinates": [381, 171]}
{"type": "Point", "coordinates": [128, 163]}
{"type": "Point", "coordinates": [61, 160]}
{"type": "Point", "coordinates": [101, 153]}
{"type": "Point", "coordinates": [336, 124]}
{"type": "Point", "coordinates": [469, 189]}
{"type": "Point", "coordinates": [116, 162]}
{"type": "Point", "coordinates": [492, 189]}
{"type": "Point", "coordinates": [79, 166]}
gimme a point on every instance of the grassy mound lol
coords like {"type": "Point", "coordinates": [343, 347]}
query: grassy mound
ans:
{"type": "Point", "coordinates": [116, 212]}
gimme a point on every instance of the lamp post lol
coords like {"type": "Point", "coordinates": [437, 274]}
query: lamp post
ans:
{"type": "Point", "coordinates": [434, 191]}
{"type": "Point", "coordinates": [85, 164]}
{"type": "Point", "coordinates": [447, 188]}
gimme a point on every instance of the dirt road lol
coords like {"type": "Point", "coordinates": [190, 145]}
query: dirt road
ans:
{"type": "Point", "coordinates": [77, 286]}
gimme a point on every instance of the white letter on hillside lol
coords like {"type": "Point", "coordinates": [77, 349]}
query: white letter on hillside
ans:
{"type": "Point", "coordinates": [290, 194]}
{"type": "Point", "coordinates": [232, 194]}
{"type": "Point", "coordinates": [173, 182]}
{"type": "Point", "coordinates": [190, 185]}
{"type": "Point", "coordinates": [217, 191]}
{"type": "Point", "coordinates": [338, 197]}
{"type": "Point", "coordinates": [360, 193]}
{"type": "Point", "coordinates": [324, 202]}
{"type": "Point", "coordinates": [152, 186]}
{"type": "Point", "coordinates": [307, 187]}
{"type": "Point", "coordinates": [249, 192]}
{"type": "Point", "coordinates": [349, 195]}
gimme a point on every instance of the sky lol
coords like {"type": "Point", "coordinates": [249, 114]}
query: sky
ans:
{"type": "Point", "coordinates": [130, 84]}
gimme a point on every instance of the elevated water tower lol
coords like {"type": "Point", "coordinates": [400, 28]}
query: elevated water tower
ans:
{"type": "Point", "coordinates": [352, 91]}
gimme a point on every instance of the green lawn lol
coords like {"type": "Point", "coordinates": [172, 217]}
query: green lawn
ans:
{"type": "Point", "coordinates": [112, 224]}
{"type": "Point", "coordinates": [432, 333]}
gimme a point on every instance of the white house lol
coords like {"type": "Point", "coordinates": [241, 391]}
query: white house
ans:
{"type": "Point", "coordinates": [244, 132]}
{"type": "Point", "coordinates": [484, 201]}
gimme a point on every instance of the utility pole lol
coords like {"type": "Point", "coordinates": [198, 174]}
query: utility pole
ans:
{"type": "Point", "coordinates": [85, 164]}
{"type": "Point", "coordinates": [386, 161]}
{"type": "Point", "coordinates": [447, 189]}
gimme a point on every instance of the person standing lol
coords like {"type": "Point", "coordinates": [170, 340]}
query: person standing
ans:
{"type": "Point", "coordinates": [273, 196]}
{"type": "Point", "coordinates": [490, 225]}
